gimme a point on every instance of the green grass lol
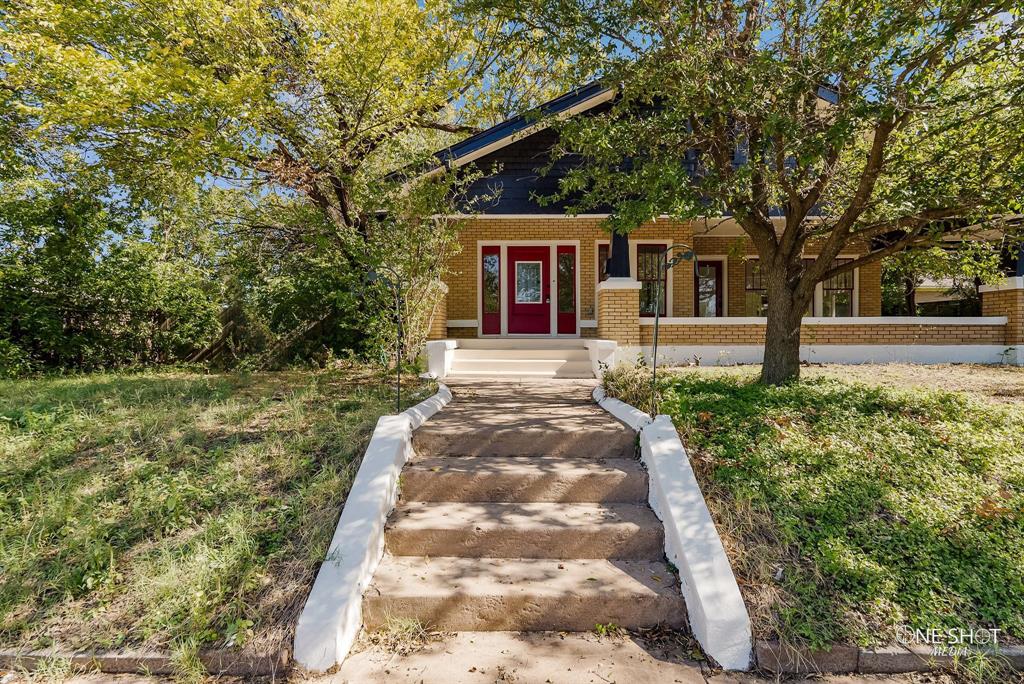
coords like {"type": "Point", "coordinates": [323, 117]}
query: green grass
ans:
{"type": "Point", "coordinates": [173, 510]}
{"type": "Point", "coordinates": [849, 509]}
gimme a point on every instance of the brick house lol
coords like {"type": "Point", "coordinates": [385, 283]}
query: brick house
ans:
{"type": "Point", "coordinates": [530, 276]}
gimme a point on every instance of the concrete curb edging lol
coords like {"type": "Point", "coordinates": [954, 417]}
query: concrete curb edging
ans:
{"type": "Point", "coordinates": [332, 615]}
{"type": "Point", "coordinates": [217, 662]}
{"type": "Point", "coordinates": [630, 415]}
{"type": "Point", "coordinates": [717, 614]}
{"type": "Point", "coordinates": [439, 358]}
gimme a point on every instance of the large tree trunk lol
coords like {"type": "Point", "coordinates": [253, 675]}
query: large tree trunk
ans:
{"type": "Point", "coordinates": [786, 308]}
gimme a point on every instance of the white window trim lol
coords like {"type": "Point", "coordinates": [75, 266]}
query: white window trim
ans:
{"type": "Point", "coordinates": [819, 290]}
{"type": "Point", "coordinates": [669, 303]}
{"type": "Point", "coordinates": [503, 246]}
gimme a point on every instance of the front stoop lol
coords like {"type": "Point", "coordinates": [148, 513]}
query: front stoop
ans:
{"type": "Point", "coordinates": [524, 508]}
{"type": "Point", "coordinates": [521, 358]}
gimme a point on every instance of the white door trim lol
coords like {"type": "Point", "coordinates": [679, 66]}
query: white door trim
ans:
{"type": "Point", "coordinates": [503, 246]}
{"type": "Point", "coordinates": [724, 260]}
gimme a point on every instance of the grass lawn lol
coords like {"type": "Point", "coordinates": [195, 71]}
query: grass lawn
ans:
{"type": "Point", "coordinates": [173, 510]}
{"type": "Point", "coordinates": [859, 500]}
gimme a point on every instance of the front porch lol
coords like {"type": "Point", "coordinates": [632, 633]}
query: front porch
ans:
{"type": "Point", "coordinates": [622, 334]}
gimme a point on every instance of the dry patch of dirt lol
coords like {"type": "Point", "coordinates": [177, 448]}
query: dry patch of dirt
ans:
{"type": "Point", "coordinates": [995, 383]}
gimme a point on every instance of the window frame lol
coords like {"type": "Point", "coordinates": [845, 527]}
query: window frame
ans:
{"type": "Point", "coordinates": [817, 302]}
{"type": "Point", "coordinates": [668, 301]}
{"type": "Point", "coordinates": [656, 249]}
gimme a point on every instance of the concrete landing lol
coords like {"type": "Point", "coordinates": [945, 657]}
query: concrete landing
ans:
{"type": "Point", "coordinates": [561, 658]}
{"type": "Point", "coordinates": [528, 418]}
{"type": "Point", "coordinates": [523, 658]}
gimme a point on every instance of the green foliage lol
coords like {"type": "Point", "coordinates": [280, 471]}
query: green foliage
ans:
{"type": "Point", "coordinates": [630, 382]}
{"type": "Point", "coordinates": [852, 509]}
{"type": "Point", "coordinates": [961, 266]}
{"type": "Point", "coordinates": [268, 143]}
{"type": "Point", "coordinates": [81, 285]}
{"type": "Point", "coordinates": [173, 509]}
{"type": "Point", "coordinates": [816, 127]}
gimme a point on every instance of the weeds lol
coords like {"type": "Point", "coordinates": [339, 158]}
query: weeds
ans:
{"type": "Point", "coordinates": [401, 636]}
{"type": "Point", "coordinates": [173, 510]}
{"type": "Point", "coordinates": [608, 630]}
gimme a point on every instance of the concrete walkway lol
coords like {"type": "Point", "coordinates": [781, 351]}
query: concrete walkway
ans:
{"type": "Point", "coordinates": [566, 658]}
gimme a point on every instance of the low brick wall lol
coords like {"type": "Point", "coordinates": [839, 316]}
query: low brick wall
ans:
{"type": "Point", "coordinates": [461, 333]}
{"type": "Point", "coordinates": [937, 332]}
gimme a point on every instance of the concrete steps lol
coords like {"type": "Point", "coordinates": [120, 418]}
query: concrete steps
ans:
{"type": "Point", "coordinates": [546, 368]}
{"type": "Point", "coordinates": [524, 508]}
{"type": "Point", "coordinates": [527, 440]}
{"type": "Point", "coordinates": [522, 343]}
{"type": "Point", "coordinates": [536, 358]}
{"type": "Point", "coordinates": [489, 594]}
{"type": "Point", "coordinates": [524, 530]}
{"type": "Point", "coordinates": [548, 354]}
{"type": "Point", "coordinates": [517, 479]}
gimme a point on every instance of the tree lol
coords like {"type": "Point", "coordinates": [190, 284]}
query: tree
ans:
{"type": "Point", "coordinates": [823, 124]}
{"type": "Point", "coordinates": [295, 103]}
{"type": "Point", "coordinates": [81, 285]}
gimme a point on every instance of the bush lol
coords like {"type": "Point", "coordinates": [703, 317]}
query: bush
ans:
{"type": "Point", "coordinates": [13, 361]}
{"type": "Point", "coordinates": [631, 383]}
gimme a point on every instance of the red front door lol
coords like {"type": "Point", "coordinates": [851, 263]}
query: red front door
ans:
{"type": "Point", "coordinates": [529, 290]}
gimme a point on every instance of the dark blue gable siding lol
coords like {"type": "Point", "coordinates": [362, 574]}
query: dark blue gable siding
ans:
{"type": "Point", "coordinates": [515, 175]}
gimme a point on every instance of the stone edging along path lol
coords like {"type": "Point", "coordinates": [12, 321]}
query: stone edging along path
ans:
{"type": "Point", "coordinates": [693, 545]}
{"type": "Point", "coordinates": [772, 656]}
{"type": "Point", "coordinates": [220, 662]}
{"type": "Point", "coordinates": [331, 617]}
{"type": "Point", "coordinates": [718, 616]}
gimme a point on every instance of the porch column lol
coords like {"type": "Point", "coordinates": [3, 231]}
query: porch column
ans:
{"type": "Point", "coordinates": [618, 298]}
{"type": "Point", "coordinates": [618, 263]}
{"type": "Point", "coordinates": [1007, 299]}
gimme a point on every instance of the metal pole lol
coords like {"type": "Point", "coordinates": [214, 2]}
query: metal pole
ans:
{"type": "Point", "coordinates": [398, 357]}
{"type": "Point", "coordinates": [654, 359]}
{"type": "Point", "coordinates": [662, 263]}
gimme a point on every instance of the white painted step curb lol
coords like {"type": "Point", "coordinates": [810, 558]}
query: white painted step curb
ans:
{"type": "Point", "coordinates": [718, 616]}
{"type": "Point", "coordinates": [332, 616]}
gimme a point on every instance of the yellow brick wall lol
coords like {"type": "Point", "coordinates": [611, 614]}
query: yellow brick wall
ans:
{"type": "Point", "coordinates": [869, 280]}
{"type": "Point", "coordinates": [912, 333]}
{"type": "Point", "coordinates": [439, 319]}
{"type": "Point", "coordinates": [1009, 303]}
{"type": "Point", "coordinates": [618, 314]}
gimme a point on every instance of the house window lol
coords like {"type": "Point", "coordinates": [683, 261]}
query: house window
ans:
{"type": "Point", "coordinates": [602, 263]}
{"type": "Point", "coordinates": [755, 293]}
{"type": "Point", "coordinates": [653, 277]}
{"type": "Point", "coordinates": [567, 282]}
{"type": "Point", "coordinates": [708, 290]}
{"type": "Point", "coordinates": [528, 282]}
{"type": "Point", "coordinates": [492, 283]}
{"type": "Point", "coordinates": [837, 293]}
